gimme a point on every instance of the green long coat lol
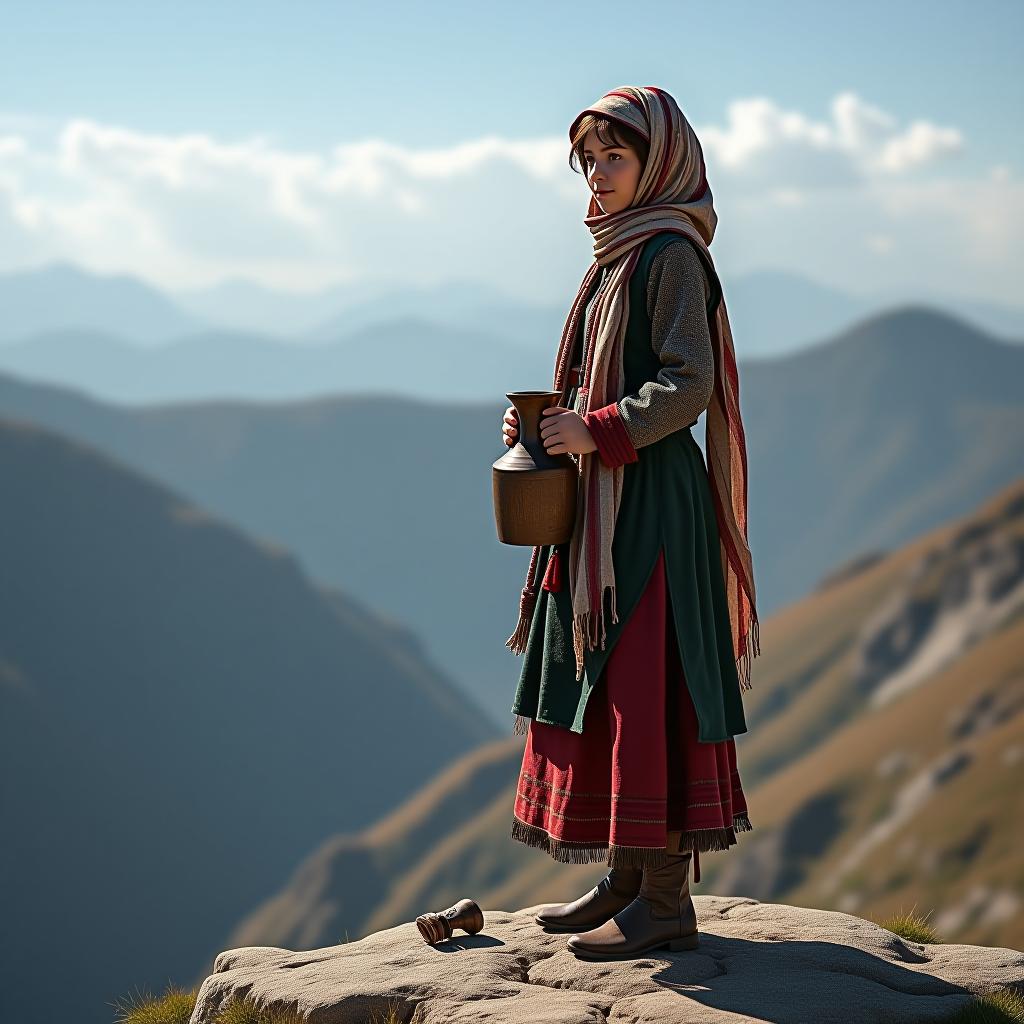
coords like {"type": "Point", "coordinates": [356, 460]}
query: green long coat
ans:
{"type": "Point", "coordinates": [666, 503]}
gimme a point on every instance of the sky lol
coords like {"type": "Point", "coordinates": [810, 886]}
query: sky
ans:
{"type": "Point", "coordinates": [866, 146]}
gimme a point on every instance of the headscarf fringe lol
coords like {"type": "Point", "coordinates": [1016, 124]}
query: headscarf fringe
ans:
{"type": "Point", "coordinates": [751, 648]}
{"type": "Point", "coordinates": [527, 603]}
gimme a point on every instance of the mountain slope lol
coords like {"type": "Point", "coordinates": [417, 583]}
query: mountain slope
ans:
{"type": "Point", "coordinates": [872, 437]}
{"type": "Point", "coordinates": [182, 714]}
{"type": "Point", "coordinates": [858, 804]}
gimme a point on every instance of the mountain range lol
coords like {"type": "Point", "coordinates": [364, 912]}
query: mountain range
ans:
{"type": "Point", "coordinates": [855, 445]}
{"type": "Point", "coordinates": [121, 339]}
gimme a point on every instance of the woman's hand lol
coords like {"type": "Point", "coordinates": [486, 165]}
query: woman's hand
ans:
{"type": "Point", "coordinates": [510, 426]}
{"type": "Point", "coordinates": [563, 431]}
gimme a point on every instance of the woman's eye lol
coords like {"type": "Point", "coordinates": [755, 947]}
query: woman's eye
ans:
{"type": "Point", "coordinates": [589, 160]}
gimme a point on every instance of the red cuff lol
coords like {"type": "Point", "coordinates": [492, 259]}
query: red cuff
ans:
{"type": "Point", "coordinates": [610, 436]}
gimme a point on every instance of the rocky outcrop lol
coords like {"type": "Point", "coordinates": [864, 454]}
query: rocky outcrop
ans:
{"type": "Point", "coordinates": [953, 596]}
{"type": "Point", "coordinates": [756, 962]}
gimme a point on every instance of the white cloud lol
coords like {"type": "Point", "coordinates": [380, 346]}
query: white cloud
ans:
{"type": "Point", "coordinates": [184, 210]}
{"type": "Point", "coordinates": [761, 142]}
{"type": "Point", "coordinates": [790, 191]}
{"type": "Point", "coordinates": [879, 243]}
{"type": "Point", "coordinates": [922, 143]}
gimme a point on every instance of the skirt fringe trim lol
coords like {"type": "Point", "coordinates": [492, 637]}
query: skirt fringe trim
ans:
{"type": "Point", "coordinates": [704, 840]}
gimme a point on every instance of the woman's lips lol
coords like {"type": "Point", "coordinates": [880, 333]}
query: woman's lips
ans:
{"type": "Point", "coordinates": [604, 192]}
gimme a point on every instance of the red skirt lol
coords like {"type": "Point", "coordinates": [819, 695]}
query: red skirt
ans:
{"type": "Point", "coordinates": [637, 772]}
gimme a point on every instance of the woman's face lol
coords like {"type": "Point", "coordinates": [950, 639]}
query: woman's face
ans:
{"type": "Point", "coordinates": [613, 172]}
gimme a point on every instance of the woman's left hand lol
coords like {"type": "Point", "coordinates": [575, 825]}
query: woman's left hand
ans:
{"type": "Point", "coordinates": [563, 430]}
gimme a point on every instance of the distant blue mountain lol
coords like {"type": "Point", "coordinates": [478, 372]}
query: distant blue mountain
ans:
{"type": "Point", "coordinates": [62, 295]}
{"type": "Point", "coordinates": [460, 340]}
{"type": "Point", "coordinates": [407, 356]}
{"type": "Point", "coordinates": [328, 314]}
{"type": "Point", "coordinates": [243, 305]}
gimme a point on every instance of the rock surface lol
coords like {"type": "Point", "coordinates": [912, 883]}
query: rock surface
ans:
{"type": "Point", "coordinates": [756, 962]}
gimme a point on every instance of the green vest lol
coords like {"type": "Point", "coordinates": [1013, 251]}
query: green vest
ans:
{"type": "Point", "coordinates": [666, 504]}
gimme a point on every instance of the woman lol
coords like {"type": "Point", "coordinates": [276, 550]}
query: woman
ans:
{"type": "Point", "coordinates": [628, 757]}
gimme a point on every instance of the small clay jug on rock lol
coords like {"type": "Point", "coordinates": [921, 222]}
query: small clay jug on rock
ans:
{"type": "Point", "coordinates": [534, 492]}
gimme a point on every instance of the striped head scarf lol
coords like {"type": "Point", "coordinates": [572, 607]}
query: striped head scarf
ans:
{"type": "Point", "coordinates": [672, 194]}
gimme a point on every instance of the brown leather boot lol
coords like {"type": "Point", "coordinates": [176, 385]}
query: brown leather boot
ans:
{"type": "Point", "coordinates": [662, 915]}
{"type": "Point", "coordinates": [614, 892]}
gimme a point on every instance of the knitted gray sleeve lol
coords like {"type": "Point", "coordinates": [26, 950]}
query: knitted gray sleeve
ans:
{"type": "Point", "coordinates": [677, 297]}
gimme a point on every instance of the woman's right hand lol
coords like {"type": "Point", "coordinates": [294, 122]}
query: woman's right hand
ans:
{"type": "Point", "coordinates": [510, 426]}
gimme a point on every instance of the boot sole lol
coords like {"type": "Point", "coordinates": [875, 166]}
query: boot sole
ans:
{"type": "Point", "coordinates": [675, 945]}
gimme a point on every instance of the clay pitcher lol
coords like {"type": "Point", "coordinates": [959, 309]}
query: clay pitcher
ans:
{"type": "Point", "coordinates": [534, 492]}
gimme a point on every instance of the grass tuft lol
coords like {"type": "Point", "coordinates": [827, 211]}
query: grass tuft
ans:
{"type": "Point", "coordinates": [1005, 1007]}
{"type": "Point", "coordinates": [911, 926]}
{"type": "Point", "coordinates": [176, 1006]}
